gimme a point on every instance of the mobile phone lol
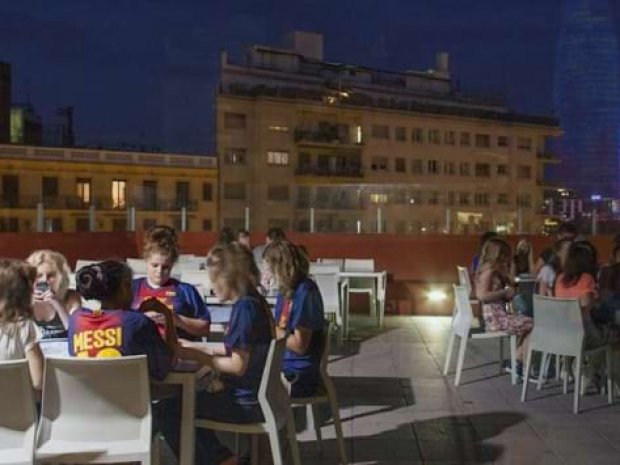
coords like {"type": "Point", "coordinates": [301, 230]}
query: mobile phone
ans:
{"type": "Point", "coordinates": [42, 286]}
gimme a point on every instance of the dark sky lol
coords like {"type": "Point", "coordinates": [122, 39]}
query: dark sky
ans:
{"type": "Point", "coordinates": [144, 71]}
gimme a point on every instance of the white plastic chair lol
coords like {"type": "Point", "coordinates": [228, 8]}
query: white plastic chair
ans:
{"type": "Point", "coordinates": [362, 285]}
{"type": "Point", "coordinates": [80, 263]}
{"type": "Point", "coordinates": [18, 417]}
{"type": "Point", "coordinates": [95, 411]}
{"type": "Point", "coordinates": [324, 268]}
{"type": "Point", "coordinates": [462, 327]}
{"type": "Point", "coordinates": [191, 264]}
{"type": "Point", "coordinates": [137, 265]}
{"type": "Point", "coordinates": [326, 395]}
{"type": "Point", "coordinates": [331, 292]}
{"type": "Point", "coordinates": [276, 406]}
{"type": "Point", "coordinates": [198, 279]}
{"type": "Point", "coordinates": [559, 330]}
{"type": "Point", "coordinates": [339, 262]}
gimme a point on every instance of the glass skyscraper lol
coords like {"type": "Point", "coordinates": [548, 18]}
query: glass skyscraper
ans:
{"type": "Point", "coordinates": [587, 99]}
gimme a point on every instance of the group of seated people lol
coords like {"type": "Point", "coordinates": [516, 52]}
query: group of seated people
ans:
{"type": "Point", "coordinates": [569, 269]}
{"type": "Point", "coordinates": [164, 319]}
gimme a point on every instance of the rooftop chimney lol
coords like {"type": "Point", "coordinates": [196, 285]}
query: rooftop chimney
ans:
{"type": "Point", "coordinates": [442, 63]}
{"type": "Point", "coordinates": [308, 44]}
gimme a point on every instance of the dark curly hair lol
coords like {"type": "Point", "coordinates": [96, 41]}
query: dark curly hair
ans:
{"type": "Point", "coordinates": [163, 240]}
{"type": "Point", "coordinates": [16, 285]}
{"type": "Point", "coordinates": [103, 280]}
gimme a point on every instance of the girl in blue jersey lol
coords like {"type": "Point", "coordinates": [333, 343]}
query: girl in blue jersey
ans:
{"type": "Point", "coordinates": [299, 316]}
{"type": "Point", "coordinates": [240, 360]}
{"type": "Point", "coordinates": [189, 312]}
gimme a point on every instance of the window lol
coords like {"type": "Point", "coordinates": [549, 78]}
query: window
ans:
{"type": "Point", "coordinates": [207, 225]}
{"type": "Point", "coordinates": [83, 190]}
{"type": "Point", "coordinates": [464, 169]}
{"type": "Point", "coordinates": [207, 192]}
{"type": "Point", "coordinates": [465, 139]}
{"type": "Point", "coordinates": [119, 193]}
{"type": "Point", "coordinates": [400, 165]}
{"type": "Point", "coordinates": [483, 141]}
{"type": "Point", "coordinates": [448, 168]}
{"type": "Point", "coordinates": [276, 128]}
{"type": "Point", "coordinates": [379, 164]}
{"type": "Point", "coordinates": [400, 133]}
{"type": "Point", "coordinates": [432, 167]}
{"type": "Point", "coordinates": [149, 193]}
{"type": "Point", "coordinates": [463, 198]}
{"type": "Point", "coordinates": [10, 190]}
{"type": "Point", "coordinates": [10, 224]}
{"type": "Point", "coordinates": [235, 156]}
{"type": "Point", "coordinates": [234, 191]}
{"type": "Point", "coordinates": [450, 138]}
{"type": "Point", "coordinates": [182, 191]}
{"type": "Point", "coordinates": [53, 224]}
{"type": "Point", "coordinates": [119, 224]}
{"type": "Point", "coordinates": [450, 198]}
{"type": "Point", "coordinates": [49, 187]}
{"type": "Point", "coordinates": [502, 170]}
{"type": "Point", "coordinates": [417, 166]}
{"type": "Point", "coordinates": [433, 198]}
{"type": "Point", "coordinates": [502, 199]}
{"type": "Point", "coordinates": [524, 172]}
{"type": "Point", "coordinates": [483, 170]}
{"type": "Point", "coordinates": [417, 135]}
{"type": "Point", "coordinates": [380, 131]}
{"type": "Point", "coordinates": [378, 198]}
{"type": "Point", "coordinates": [358, 134]}
{"type": "Point", "coordinates": [481, 199]}
{"type": "Point", "coordinates": [278, 158]}
{"type": "Point", "coordinates": [278, 193]}
{"type": "Point", "coordinates": [524, 143]}
{"type": "Point", "coordinates": [234, 120]}
{"type": "Point", "coordinates": [502, 141]}
{"type": "Point", "coordinates": [434, 137]}
{"type": "Point", "coordinates": [524, 200]}
{"type": "Point", "coordinates": [82, 224]}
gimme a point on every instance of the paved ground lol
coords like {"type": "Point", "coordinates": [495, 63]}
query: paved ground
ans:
{"type": "Point", "coordinates": [398, 409]}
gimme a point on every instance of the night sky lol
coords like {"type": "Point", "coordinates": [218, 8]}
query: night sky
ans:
{"type": "Point", "coordinates": [144, 71]}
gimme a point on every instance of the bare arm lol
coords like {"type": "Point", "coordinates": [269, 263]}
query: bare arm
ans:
{"type": "Point", "coordinates": [236, 364]}
{"type": "Point", "coordinates": [485, 295]}
{"type": "Point", "coordinates": [299, 341]}
{"type": "Point", "coordinates": [194, 326]}
{"type": "Point", "coordinates": [35, 364]}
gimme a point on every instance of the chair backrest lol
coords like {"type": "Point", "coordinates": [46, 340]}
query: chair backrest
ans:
{"type": "Point", "coordinates": [80, 263]}
{"type": "Point", "coordinates": [339, 262]}
{"type": "Point", "coordinates": [18, 417]}
{"type": "Point", "coordinates": [273, 396]}
{"type": "Point", "coordinates": [199, 279]}
{"type": "Point", "coordinates": [193, 263]}
{"type": "Point", "coordinates": [462, 320]}
{"type": "Point", "coordinates": [328, 287]}
{"type": "Point", "coordinates": [464, 279]}
{"type": "Point", "coordinates": [98, 400]}
{"type": "Point", "coordinates": [558, 327]}
{"type": "Point", "coordinates": [137, 265]}
{"type": "Point", "coordinates": [359, 264]}
{"type": "Point", "coordinates": [324, 268]}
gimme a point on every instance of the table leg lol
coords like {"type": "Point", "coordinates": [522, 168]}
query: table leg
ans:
{"type": "Point", "coordinates": [188, 425]}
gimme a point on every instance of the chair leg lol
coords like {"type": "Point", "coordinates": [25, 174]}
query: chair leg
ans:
{"type": "Point", "coordinates": [333, 403]}
{"type": "Point", "coordinates": [565, 373]}
{"type": "Point", "coordinates": [461, 359]}
{"type": "Point", "coordinates": [292, 439]}
{"type": "Point", "coordinates": [513, 360]}
{"type": "Point", "coordinates": [501, 355]}
{"type": "Point", "coordinates": [313, 414]}
{"type": "Point", "coordinates": [577, 388]}
{"type": "Point", "coordinates": [446, 365]}
{"type": "Point", "coordinates": [544, 361]}
{"type": "Point", "coordinates": [254, 449]}
{"type": "Point", "coordinates": [526, 375]}
{"type": "Point", "coordinates": [557, 367]}
{"type": "Point", "coordinates": [610, 377]}
{"type": "Point", "coordinates": [276, 447]}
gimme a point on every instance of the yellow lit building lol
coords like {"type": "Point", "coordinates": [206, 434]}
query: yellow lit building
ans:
{"type": "Point", "coordinates": [76, 189]}
{"type": "Point", "coordinates": [308, 145]}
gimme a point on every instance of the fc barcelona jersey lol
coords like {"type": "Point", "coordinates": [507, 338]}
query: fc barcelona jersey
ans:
{"type": "Point", "coordinates": [181, 298]}
{"type": "Point", "coordinates": [115, 333]}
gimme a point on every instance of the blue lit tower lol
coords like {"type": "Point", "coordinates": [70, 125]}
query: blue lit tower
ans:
{"type": "Point", "coordinates": [587, 99]}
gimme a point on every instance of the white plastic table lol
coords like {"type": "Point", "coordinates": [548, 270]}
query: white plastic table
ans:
{"type": "Point", "coordinates": [380, 282]}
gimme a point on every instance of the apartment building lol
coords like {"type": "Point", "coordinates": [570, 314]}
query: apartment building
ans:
{"type": "Point", "coordinates": [309, 145]}
{"type": "Point", "coordinates": [80, 189]}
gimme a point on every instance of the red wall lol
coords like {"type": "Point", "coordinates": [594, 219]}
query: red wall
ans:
{"type": "Point", "coordinates": [414, 263]}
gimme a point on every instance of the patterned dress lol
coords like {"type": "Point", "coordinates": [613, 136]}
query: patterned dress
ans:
{"type": "Point", "coordinates": [496, 318]}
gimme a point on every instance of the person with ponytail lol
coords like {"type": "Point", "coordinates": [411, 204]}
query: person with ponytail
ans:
{"type": "Point", "coordinates": [114, 330]}
{"type": "Point", "coordinates": [188, 310]}
{"type": "Point", "coordinates": [299, 315]}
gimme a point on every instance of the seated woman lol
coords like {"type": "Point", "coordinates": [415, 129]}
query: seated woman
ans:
{"type": "Point", "coordinates": [550, 270]}
{"type": "Point", "coordinates": [494, 290]}
{"type": "Point", "coordinates": [19, 338]}
{"type": "Point", "coordinates": [239, 361]}
{"type": "Point", "coordinates": [53, 300]}
{"type": "Point", "coordinates": [161, 251]}
{"type": "Point", "coordinates": [299, 316]}
{"type": "Point", "coordinates": [115, 330]}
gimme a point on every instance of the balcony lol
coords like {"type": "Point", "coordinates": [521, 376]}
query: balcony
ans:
{"type": "Point", "coordinates": [328, 135]}
{"type": "Point", "coordinates": [103, 204]}
{"type": "Point", "coordinates": [547, 157]}
{"type": "Point", "coordinates": [330, 204]}
{"type": "Point", "coordinates": [343, 172]}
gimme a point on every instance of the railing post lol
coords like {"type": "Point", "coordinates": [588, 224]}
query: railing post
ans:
{"type": "Point", "coordinates": [92, 219]}
{"type": "Point", "coordinates": [40, 217]}
{"type": "Point", "coordinates": [131, 218]}
{"type": "Point", "coordinates": [183, 219]}
{"type": "Point", "coordinates": [247, 218]}
{"type": "Point", "coordinates": [520, 221]}
{"type": "Point", "coordinates": [448, 220]}
{"type": "Point", "coordinates": [379, 220]}
{"type": "Point", "coordinates": [359, 226]}
{"type": "Point", "coordinates": [312, 220]}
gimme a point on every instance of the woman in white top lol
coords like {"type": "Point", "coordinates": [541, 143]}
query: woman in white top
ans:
{"type": "Point", "coordinates": [19, 337]}
{"type": "Point", "coordinates": [550, 270]}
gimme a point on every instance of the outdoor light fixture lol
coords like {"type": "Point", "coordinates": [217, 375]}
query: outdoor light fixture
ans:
{"type": "Point", "coordinates": [436, 295]}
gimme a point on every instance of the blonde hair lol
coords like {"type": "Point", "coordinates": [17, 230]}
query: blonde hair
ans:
{"type": "Point", "coordinates": [494, 252]}
{"type": "Point", "coordinates": [524, 257]}
{"type": "Point", "coordinates": [163, 240]}
{"type": "Point", "coordinates": [60, 265]}
{"type": "Point", "coordinates": [288, 264]}
{"type": "Point", "coordinates": [16, 285]}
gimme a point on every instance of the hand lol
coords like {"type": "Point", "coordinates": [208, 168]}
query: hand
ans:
{"type": "Point", "coordinates": [158, 318]}
{"type": "Point", "coordinates": [45, 296]}
{"type": "Point", "coordinates": [280, 333]}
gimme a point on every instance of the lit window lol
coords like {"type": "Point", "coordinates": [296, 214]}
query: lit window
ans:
{"type": "Point", "coordinates": [119, 193]}
{"type": "Point", "coordinates": [278, 158]}
{"type": "Point", "coordinates": [359, 136]}
{"type": "Point", "coordinates": [83, 190]}
{"type": "Point", "coordinates": [278, 128]}
{"type": "Point", "coordinates": [378, 198]}
{"type": "Point", "coordinates": [235, 156]}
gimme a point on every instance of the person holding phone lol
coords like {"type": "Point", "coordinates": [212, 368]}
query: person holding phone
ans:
{"type": "Point", "coordinates": [53, 300]}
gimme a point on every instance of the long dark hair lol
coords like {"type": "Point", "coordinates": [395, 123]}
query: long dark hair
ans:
{"type": "Point", "coordinates": [580, 260]}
